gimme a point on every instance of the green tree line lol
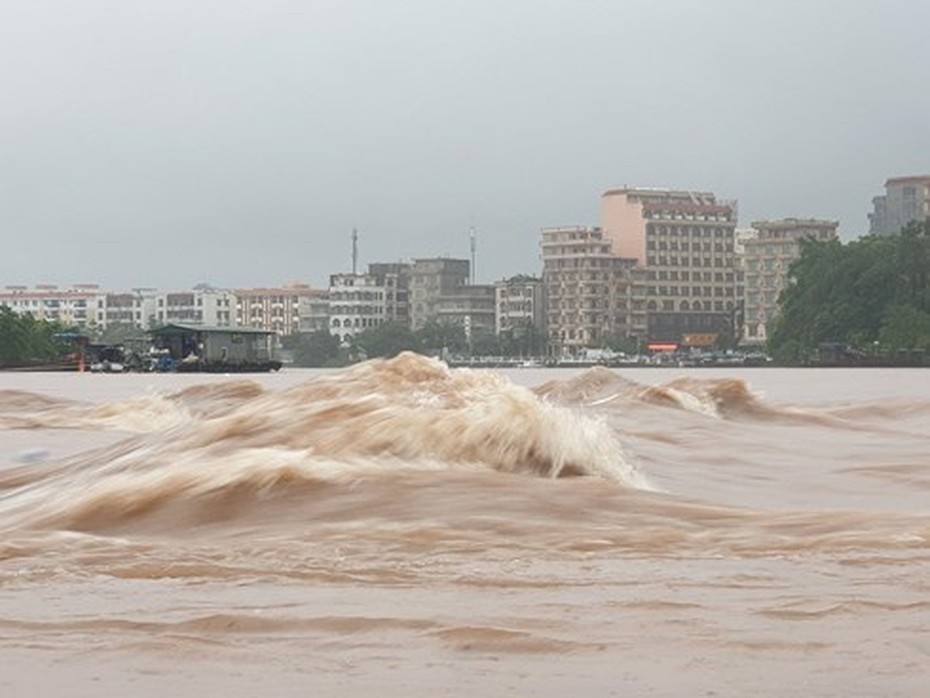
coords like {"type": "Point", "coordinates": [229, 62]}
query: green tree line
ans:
{"type": "Point", "coordinates": [872, 294]}
{"type": "Point", "coordinates": [25, 340]}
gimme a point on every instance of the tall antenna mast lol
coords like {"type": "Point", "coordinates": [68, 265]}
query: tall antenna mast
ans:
{"type": "Point", "coordinates": [474, 259]}
{"type": "Point", "coordinates": [354, 251]}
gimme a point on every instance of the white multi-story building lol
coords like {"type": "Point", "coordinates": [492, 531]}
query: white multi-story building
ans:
{"type": "Point", "coordinates": [519, 303]}
{"type": "Point", "coordinates": [201, 306]}
{"type": "Point", "coordinates": [90, 308]}
{"type": "Point", "coordinates": [73, 306]}
{"type": "Point", "coordinates": [356, 303]}
{"type": "Point", "coordinates": [313, 311]}
{"type": "Point", "coordinates": [136, 308]}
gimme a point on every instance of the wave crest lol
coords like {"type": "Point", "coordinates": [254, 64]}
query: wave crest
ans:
{"type": "Point", "coordinates": [410, 413]}
{"type": "Point", "coordinates": [412, 407]}
{"type": "Point", "coordinates": [714, 397]}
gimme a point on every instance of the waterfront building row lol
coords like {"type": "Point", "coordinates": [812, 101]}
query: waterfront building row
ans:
{"type": "Point", "coordinates": [663, 267]}
{"type": "Point", "coordinates": [88, 306]}
{"type": "Point", "coordinates": [414, 294]}
{"type": "Point", "coordinates": [668, 268]}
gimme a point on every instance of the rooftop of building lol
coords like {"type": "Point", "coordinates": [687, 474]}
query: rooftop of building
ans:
{"type": "Point", "coordinates": [440, 260]}
{"type": "Point", "coordinates": [290, 290]}
{"type": "Point", "coordinates": [40, 293]}
{"type": "Point", "coordinates": [796, 223]}
{"type": "Point", "coordinates": [520, 279]}
{"type": "Point", "coordinates": [658, 193]}
{"type": "Point", "coordinates": [908, 179]}
{"type": "Point", "coordinates": [175, 329]}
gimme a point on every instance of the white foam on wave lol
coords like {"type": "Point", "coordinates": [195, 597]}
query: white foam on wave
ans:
{"type": "Point", "coordinates": [410, 413]}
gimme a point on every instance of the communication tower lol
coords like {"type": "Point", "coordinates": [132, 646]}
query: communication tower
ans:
{"type": "Point", "coordinates": [474, 257]}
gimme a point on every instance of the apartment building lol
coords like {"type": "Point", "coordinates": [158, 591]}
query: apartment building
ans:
{"type": "Point", "coordinates": [275, 309]}
{"type": "Point", "coordinates": [361, 301]}
{"type": "Point", "coordinates": [430, 280]}
{"type": "Point", "coordinates": [767, 254]}
{"type": "Point", "coordinates": [395, 278]}
{"type": "Point", "coordinates": [200, 306]}
{"type": "Point", "coordinates": [136, 308]}
{"type": "Point", "coordinates": [684, 241]}
{"type": "Point", "coordinates": [313, 311]}
{"type": "Point", "coordinates": [356, 304]}
{"type": "Point", "coordinates": [90, 308]}
{"type": "Point", "coordinates": [468, 305]}
{"type": "Point", "coordinates": [73, 306]}
{"type": "Point", "coordinates": [592, 295]}
{"type": "Point", "coordinates": [906, 199]}
{"type": "Point", "coordinates": [519, 303]}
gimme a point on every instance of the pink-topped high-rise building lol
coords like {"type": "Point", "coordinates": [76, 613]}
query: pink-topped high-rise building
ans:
{"type": "Point", "coordinates": [684, 241]}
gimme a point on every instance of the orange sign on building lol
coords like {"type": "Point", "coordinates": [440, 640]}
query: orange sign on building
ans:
{"type": "Point", "coordinates": [702, 340]}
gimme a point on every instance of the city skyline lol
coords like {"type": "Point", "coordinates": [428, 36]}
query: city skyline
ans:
{"type": "Point", "coordinates": [176, 143]}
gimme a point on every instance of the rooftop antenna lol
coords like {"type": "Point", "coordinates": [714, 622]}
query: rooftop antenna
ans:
{"type": "Point", "coordinates": [354, 251]}
{"type": "Point", "coordinates": [474, 248]}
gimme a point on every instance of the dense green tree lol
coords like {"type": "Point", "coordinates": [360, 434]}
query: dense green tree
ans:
{"type": "Point", "coordinates": [484, 342]}
{"type": "Point", "coordinates": [122, 333]}
{"type": "Point", "coordinates": [522, 340]}
{"type": "Point", "coordinates": [386, 340]}
{"type": "Point", "coordinates": [315, 349]}
{"type": "Point", "coordinates": [872, 290]}
{"type": "Point", "coordinates": [905, 327]}
{"type": "Point", "coordinates": [623, 343]}
{"type": "Point", "coordinates": [438, 336]}
{"type": "Point", "coordinates": [25, 340]}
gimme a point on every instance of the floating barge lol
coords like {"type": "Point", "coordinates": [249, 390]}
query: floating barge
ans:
{"type": "Point", "coordinates": [203, 349]}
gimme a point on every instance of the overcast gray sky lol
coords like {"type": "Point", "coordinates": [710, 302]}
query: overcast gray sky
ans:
{"type": "Point", "coordinates": [166, 142]}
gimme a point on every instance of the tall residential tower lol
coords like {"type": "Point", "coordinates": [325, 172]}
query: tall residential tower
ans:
{"type": "Point", "coordinates": [684, 241]}
{"type": "Point", "coordinates": [906, 199]}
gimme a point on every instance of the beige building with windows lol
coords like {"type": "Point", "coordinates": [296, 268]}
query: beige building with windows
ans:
{"type": "Point", "coordinates": [591, 294]}
{"type": "Point", "coordinates": [685, 243]}
{"type": "Point", "coordinates": [275, 309]}
{"type": "Point", "coordinates": [767, 254]}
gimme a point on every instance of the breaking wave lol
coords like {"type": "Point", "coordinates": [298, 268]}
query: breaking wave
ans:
{"type": "Point", "coordinates": [715, 397]}
{"type": "Point", "coordinates": [376, 419]}
{"type": "Point", "coordinates": [719, 398]}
